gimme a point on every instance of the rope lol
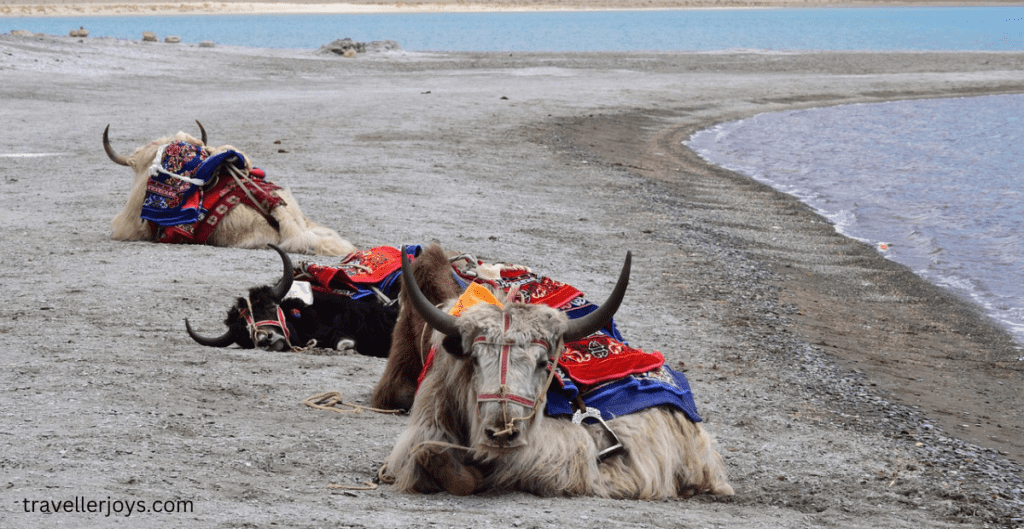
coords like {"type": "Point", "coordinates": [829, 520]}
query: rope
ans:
{"type": "Point", "coordinates": [423, 351]}
{"type": "Point", "coordinates": [329, 400]}
{"type": "Point", "coordinates": [311, 344]}
{"type": "Point", "coordinates": [382, 477]}
{"type": "Point", "coordinates": [366, 486]}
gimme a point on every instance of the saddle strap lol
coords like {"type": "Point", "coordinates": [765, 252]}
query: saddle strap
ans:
{"type": "Point", "coordinates": [239, 176]}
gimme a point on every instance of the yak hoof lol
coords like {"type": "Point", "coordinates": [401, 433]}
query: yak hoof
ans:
{"type": "Point", "coordinates": [346, 345]}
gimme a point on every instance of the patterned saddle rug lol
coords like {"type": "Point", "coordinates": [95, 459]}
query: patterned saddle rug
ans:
{"type": "Point", "coordinates": [185, 198]}
{"type": "Point", "coordinates": [360, 274]}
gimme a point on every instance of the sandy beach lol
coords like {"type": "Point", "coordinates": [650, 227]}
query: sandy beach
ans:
{"type": "Point", "coordinates": [843, 390]}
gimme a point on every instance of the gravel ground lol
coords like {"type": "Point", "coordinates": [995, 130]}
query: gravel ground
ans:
{"type": "Point", "coordinates": [843, 391]}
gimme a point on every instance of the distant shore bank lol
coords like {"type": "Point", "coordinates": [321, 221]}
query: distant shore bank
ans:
{"type": "Point", "coordinates": [35, 8]}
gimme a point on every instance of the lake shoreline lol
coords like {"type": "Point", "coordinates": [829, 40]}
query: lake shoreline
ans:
{"type": "Point", "coordinates": [86, 8]}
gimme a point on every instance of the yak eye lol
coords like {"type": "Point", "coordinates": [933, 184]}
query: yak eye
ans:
{"type": "Point", "coordinates": [543, 362]}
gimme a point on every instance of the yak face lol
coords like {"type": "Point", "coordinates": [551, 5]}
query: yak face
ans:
{"type": "Point", "coordinates": [256, 321]}
{"type": "Point", "coordinates": [511, 351]}
{"type": "Point", "coordinates": [265, 327]}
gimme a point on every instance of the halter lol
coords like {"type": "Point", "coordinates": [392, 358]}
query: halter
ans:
{"type": "Point", "coordinates": [255, 332]}
{"type": "Point", "coordinates": [504, 395]}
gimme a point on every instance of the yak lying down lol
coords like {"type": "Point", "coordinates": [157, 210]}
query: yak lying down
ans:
{"type": "Point", "coordinates": [243, 225]}
{"type": "Point", "coordinates": [478, 421]}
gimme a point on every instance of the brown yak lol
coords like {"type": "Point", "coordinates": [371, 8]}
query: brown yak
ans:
{"type": "Point", "coordinates": [410, 339]}
{"type": "Point", "coordinates": [477, 423]}
{"type": "Point", "coordinates": [242, 227]}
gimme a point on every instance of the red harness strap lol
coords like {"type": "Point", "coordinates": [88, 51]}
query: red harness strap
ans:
{"type": "Point", "coordinates": [255, 325]}
{"type": "Point", "coordinates": [503, 394]}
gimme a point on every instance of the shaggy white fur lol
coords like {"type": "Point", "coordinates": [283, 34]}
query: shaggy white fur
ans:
{"type": "Point", "coordinates": [446, 445]}
{"type": "Point", "coordinates": [242, 227]}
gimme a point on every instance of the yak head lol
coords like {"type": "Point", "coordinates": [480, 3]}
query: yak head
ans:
{"type": "Point", "coordinates": [256, 320]}
{"type": "Point", "coordinates": [142, 158]}
{"type": "Point", "coordinates": [508, 351]}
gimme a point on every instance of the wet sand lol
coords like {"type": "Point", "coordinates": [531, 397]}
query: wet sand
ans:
{"type": "Point", "coordinates": [843, 390]}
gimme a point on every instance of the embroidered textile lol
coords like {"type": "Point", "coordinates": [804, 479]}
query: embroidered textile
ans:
{"type": "Point", "coordinates": [533, 289]}
{"type": "Point", "coordinates": [378, 267]}
{"type": "Point", "coordinates": [178, 201]}
{"type": "Point", "coordinates": [217, 201]}
{"type": "Point", "coordinates": [599, 358]}
{"type": "Point", "coordinates": [170, 198]}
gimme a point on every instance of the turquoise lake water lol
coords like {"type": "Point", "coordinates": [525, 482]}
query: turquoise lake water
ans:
{"type": "Point", "coordinates": [948, 28]}
{"type": "Point", "coordinates": [937, 185]}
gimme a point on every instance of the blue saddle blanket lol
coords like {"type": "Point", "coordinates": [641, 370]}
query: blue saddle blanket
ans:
{"type": "Point", "coordinates": [174, 189]}
{"type": "Point", "coordinates": [630, 394]}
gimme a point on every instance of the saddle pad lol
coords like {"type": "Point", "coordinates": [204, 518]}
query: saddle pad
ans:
{"type": "Point", "coordinates": [534, 289]}
{"type": "Point", "coordinates": [359, 273]}
{"type": "Point", "coordinates": [659, 387]}
{"type": "Point", "coordinates": [358, 268]}
{"type": "Point", "coordinates": [174, 191]}
{"type": "Point", "coordinates": [600, 358]}
{"type": "Point", "coordinates": [217, 202]}
{"type": "Point", "coordinates": [171, 200]}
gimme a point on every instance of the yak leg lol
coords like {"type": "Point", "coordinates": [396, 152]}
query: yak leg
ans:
{"type": "Point", "coordinates": [447, 471]}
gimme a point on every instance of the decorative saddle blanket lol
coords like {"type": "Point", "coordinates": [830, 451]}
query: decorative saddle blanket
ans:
{"type": "Point", "coordinates": [359, 273]}
{"type": "Point", "coordinates": [185, 200]}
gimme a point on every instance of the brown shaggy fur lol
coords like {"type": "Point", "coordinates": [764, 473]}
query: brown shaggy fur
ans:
{"type": "Point", "coordinates": [242, 227]}
{"type": "Point", "coordinates": [411, 338]}
{"type": "Point", "coordinates": [447, 445]}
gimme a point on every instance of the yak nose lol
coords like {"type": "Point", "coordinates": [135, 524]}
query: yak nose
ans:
{"type": "Point", "coordinates": [273, 342]}
{"type": "Point", "coordinates": [502, 436]}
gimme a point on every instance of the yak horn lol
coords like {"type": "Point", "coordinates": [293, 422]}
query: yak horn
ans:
{"type": "Point", "coordinates": [436, 318]}
{"type": "Point", "coordinates": [282, 287]}
{"type": "Point", "coordinates": [117, 158]}
{"type": "Point", "coordinates": [221, 341]}
{"type": "Point", "coordinates": [202, 130]}
{"type": "Point", "coordinates": [591, 323]}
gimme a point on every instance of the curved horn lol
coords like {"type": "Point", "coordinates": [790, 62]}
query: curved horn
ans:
{"type": "Point", "coordinates": [111, 153]}
{"type": "Point", "coordinates": [202, 130]}
{"type": "Point", "coordinates": [590, 323]}
{"type": "Point", "coordinates": [222, 341]}
{"type": "Point", "coordinates": [437, 319]}
{"type": "Point", "coordinates": [287, 276]}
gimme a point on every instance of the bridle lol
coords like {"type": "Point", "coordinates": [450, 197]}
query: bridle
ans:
{"type": "Point", "coordinates": [504, 395]}
{"type": "Point", "coordinates": [254, 327]}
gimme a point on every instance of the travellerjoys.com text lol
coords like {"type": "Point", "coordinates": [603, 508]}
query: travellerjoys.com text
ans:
{"type": "Point", "coordinates": [107, 507]}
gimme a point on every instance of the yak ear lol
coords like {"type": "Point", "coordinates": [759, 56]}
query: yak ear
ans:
{"type": "Point", "coordinates": [453, 344]}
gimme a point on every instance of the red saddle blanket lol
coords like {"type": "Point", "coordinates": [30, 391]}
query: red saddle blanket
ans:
{"type": "Point", "coordinates": [533, 289]}
{"type": "Point", "coordinates": [356, 272]}
{"type": "Point", "coordinates": [599, 358]}
{"type": "Point", "coordinates": [216, 202]}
